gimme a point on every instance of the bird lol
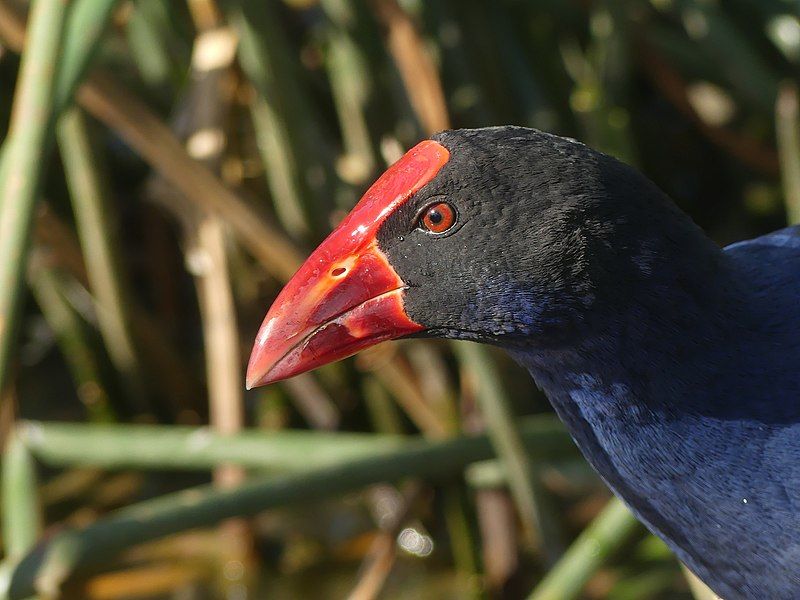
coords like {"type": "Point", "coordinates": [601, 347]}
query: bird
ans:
{"type": "Point", "coordinates": [673, 363]}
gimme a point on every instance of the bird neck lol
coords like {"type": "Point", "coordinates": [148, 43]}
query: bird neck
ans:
{"type": "Point", "coordinates": [678, 346]}
{"type": "Point", "coordinates": [664, 404]}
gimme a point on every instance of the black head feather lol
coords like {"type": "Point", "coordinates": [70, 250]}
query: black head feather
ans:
{"type": "Point", "coordinates": [551, 239]}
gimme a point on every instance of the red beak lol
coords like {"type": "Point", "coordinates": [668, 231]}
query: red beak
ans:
{"type": "Point", "coordinates": [346, 296]}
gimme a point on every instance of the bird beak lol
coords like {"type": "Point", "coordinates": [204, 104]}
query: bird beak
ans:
{"type": "Point", "coordinates": [346, 296]}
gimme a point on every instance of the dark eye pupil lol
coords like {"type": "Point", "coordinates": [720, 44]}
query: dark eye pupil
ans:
{"type": "Point", "coordinates": [435, 216]}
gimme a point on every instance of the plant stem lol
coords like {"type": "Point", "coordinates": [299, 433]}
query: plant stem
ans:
{"type": "Point", "coordinates": [147, 43]}
{"type": "Point", "coordinates": [787, 125]}
{"type": "Point", "coordinates": [170, 447]}
{"type": "Point", "coordinates": [24, 163]}
{"type": "Point", "coordinates": [90, 204]}
{"type": "Point", "coordinates": [351, 88]}
{"type": "Point", "coordinates": [21, 518]}
{"type": "Point", "coordinates": [86, 23]}
{"type": "Point", "coordinates": [50, 565]}
{"type": "Point", "coordinates": [609, 531]}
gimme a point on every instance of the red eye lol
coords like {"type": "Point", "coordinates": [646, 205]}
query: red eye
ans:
{"type": "Point", "coordinates": [438, 218]}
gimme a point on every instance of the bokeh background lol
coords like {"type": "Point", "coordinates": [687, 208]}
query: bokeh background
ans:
{"type": "Point", "coordinates": [167, 164]}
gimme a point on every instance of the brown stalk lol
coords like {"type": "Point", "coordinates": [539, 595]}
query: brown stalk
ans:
{"type": "Point", "coordinates": [12, 28]}
{"type": "Point", "coordinates": [398, 379]}
{"type": "Point", "coordinates": [494, 508]}
{"type": "Point", "coordinates": [206, 109]}
{"type": "Point", "coordinates": [205, 14]}
{"type": "Point", "coordinates": [382, 553]}
{"type": "Point", "coordinates": [154, 141]}
{"type": "Point", "coordinates": [498, 542]}
{"type": "Point", "coordinates": [419, 74]}
{"type": "Point", "coordinates": [313, 402]}
{"type": "Point", "coordinates": [142, 581]}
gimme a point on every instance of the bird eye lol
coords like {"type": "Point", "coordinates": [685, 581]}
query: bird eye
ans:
{"type": "Point", "coordinates": [438, 218]}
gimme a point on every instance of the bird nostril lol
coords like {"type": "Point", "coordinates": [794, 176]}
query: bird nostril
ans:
{"type": "Point", "coordinates": [338, 271]}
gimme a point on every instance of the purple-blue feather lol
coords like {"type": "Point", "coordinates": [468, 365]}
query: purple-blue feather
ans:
{"type": "Point", "coordinates": [702, 440]}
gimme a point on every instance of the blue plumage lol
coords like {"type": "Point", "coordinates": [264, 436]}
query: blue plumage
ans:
{"type": "Point", "coordinates": [698, 430]}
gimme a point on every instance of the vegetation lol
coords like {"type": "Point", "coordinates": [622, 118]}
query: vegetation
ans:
{"type": "Point", "coordinates": [165, 168]}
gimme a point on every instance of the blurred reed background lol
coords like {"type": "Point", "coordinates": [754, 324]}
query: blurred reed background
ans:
{"type": "Point", "coordinates": [167, 165]}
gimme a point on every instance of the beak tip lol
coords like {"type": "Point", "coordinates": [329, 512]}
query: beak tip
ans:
{"type": "Point", "coordinates": [255, 379]}
{"type": "Point", "coordinates": [256, 375]}
{"type": "Point", "coordinates": [261, 370]}
{"type": "Point", "coordinates": [250, 381]}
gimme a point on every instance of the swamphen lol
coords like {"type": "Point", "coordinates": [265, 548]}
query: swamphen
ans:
{"type": "Point", "coordinates": [674, 364]}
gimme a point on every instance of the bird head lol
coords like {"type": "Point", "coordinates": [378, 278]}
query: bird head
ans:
{"type": "Point", "coordinates": [503, 235]}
